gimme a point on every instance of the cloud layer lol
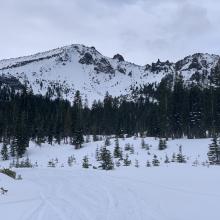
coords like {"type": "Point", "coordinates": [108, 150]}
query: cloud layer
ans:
{"type": "Point", "coordinates": [141, 30]}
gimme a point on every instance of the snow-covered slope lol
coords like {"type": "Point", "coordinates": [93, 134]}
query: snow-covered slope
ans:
{"type": "Point", "coordinates": [62, 71]}
{"type": "Point", "coordinates": [170, 191]}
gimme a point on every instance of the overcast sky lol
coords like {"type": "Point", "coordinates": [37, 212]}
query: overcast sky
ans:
{"type": "Point", "coordinates": [141, 30]}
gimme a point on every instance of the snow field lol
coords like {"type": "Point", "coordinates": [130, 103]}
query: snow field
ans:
{"type": "Point", "coordinates": [168, 192]}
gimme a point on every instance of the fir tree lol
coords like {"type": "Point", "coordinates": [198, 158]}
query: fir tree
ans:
{"type": "Point", "coordinates": [155, 161]}
{"type": "Point", "coordinates": [13, 148]}
{"type": "Point", "coordinates": [4, 151]}
{"type": "Point", "coordinates": [180, 158]}
{"type": "Point", "coordinates": [167, 159]}
{"type": "Point", "coordinates": [126, 161]}
{"type": "Point", "coordinates": [106, 159]}
{"type": "Point", "coordinates": [162, 144]}
{"type": "Point", "coordinates": [214, 152]}
{"type": "Point", "coordinates": [78, 139]}
{"type": "Point", "coordinates": [173, 157]}
{"type": "Point", "coordinates": [148, 164]}
{"type": "Point", "coordinates": [95, 138]}
{"type": "Point", "coordinates": [136, 163]}
{"type": "Point", "coordinates": [117, 149]}
{"type": "Point", "coordinates": [107, 141]}
{"type": "Point", "coordinates": [118, 163]}
{"type": "Point", "coordinates": [143, 145]}
{"type": "Point", "coordinates": [85, 163]}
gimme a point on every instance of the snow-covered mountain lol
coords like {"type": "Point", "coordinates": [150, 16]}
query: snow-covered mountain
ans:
{"type": "Point", "coordinates": [62, 71]}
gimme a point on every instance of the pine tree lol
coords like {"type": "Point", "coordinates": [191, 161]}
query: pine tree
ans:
{"type": "Point", "coordinates": [4, 152]}
{"type": "Point", "coordinates": [180, 158]}
{"type": "Point", "coordinates": [136, 163]}
{"type": "Point", "coordinates": [214, 152]}
{"type": "Point", "coordinates": [87, 139]}
{"type": "Point", "coordinates": [78, 139]}
{"type": "Point", "coordinates": [167, 160]}
{"type": "Point", "coordinates": [13, 148]}
{"type": "Point", "coordinates": [148, 164]}
{"type": "Point", "coordinates": [118, 163]}
{"type": "Point", "coordinates": [85, 163]}
{"type": "Point", "coordinates": [155, 161]}
{"type": "Point", "coordinates": [173, 157]}
{"type": "Point", "coordinates": [117, 149]}
{"type": "Point", "coordinates": [107, 141]}
{"type": "Point", "coordinates": [127, 162]}
{"type": "Point", "coordinates": [162, 144]}
{"type": "Point", "coordinates": [143, 145]}
{"type": "Point", "coordinates": [97, 154]}
{"type": "Point", "coordinates": [106, 159]}
{"type": "Point", "coordinates": [95, 138]}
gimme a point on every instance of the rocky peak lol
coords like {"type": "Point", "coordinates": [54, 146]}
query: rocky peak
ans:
{"type": "Point", "coordinates": [118, 57]}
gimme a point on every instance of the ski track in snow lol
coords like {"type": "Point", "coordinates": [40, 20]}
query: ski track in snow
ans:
{"type": "Point", "coordinates": [85, 195]}
{"type": "Point", "coordinates": [174, 192]}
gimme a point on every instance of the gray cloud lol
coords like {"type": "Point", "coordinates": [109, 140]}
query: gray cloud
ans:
{"type": "Point", "coordinates": [142, 30]}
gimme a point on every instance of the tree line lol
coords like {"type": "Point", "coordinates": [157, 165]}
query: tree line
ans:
{"type": "Point", "coordinates": [169, 110]}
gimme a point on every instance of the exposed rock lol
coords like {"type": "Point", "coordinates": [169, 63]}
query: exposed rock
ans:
{"type": "Point", "coordinates": [86, 59]}
{"type": "Point", "coordinates": [118, 57]}
{"type": "Point", "coordinates": [11, 82]}
{"type": "Point", "coordinates": [104, 66]}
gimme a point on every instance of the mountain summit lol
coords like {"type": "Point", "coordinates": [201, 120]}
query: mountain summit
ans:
{"type": "Point", "coordinates": [60, 72]}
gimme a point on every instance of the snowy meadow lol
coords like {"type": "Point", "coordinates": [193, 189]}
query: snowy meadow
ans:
{"type": "Point", "coordinates": [145, 182]}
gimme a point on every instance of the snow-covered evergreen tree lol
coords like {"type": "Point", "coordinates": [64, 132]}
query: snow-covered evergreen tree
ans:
{"type": "Point", "coordinates": [117, 149]}
{"type": "Point", "coordinates": [85, 163]}
{"type": "Point", "coordinates": [155, 161]}
{"type": "Point", "coordinates": [107, 141]}
{"type": "Point", "coordinates": [143, 144]}
{"type": "Point", "coordinates": [167, 159]}
{"type": "Point", "coordinates": [126, 160]}
{"type": "Point", "coordinates": [4, 152]}
{"type": "Point", "coordinates": [148, 164]}
{"type": "Point", "coordinates": [162, 144]}
{"type": "Point", "coordinates": [173, 157]}
{"type": "Point", "coordinates": [180, 158]}
{"type": "Point", "coordinates": [106, 162]}
{"type": "Point", "coordinates": [214, 152]}
{"type": "Point", "coordinates": [97, 154]}
{"type": "Point", "coordinates": [136, 163]}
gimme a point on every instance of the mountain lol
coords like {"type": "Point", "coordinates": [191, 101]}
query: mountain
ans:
{"type": "Point", "coordinates": [60, 72]}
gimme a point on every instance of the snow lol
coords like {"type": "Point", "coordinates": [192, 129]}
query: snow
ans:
{"type": "Point", "coordinates": [61, 67]}
{"type": "Point", "coordinates": [169, 192]}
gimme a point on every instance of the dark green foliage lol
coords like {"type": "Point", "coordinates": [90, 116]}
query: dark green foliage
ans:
{"type": "Point", "coordinates": [162, 144]}
{"type": "Point", "coordinates": [4, 152]}
{"type": "Point", "coordinates": [214, 152]}
{"type": "Point", "coordinates": [136, 163]}
{"type": "Point", "coordinates": [107, 141]}
{"type": "Point", "coordinates": [106, 162]}
{"type": "Point", "coordinates": [78, 139]}
{"type": "Point", "coordinates": [8, 172]}
{"type": "Point", "coordinates": [148, 164]}
{"type": "Point", "coordinates": [85, 163]}
{"type": "Point", "coordinates": [180, 158]}
{"type": "Point", "coordinates": [117, 150]}
{"type": "Point", "coordinates": [155, 161]}
{"type": "Point", "coordinates": [142, 143]}
{"type": "Point", "coordinates": [13, 148]}
{"type": "Point", "coordinates": [167, 159]}
{"type": "Point", "coordinates": [126, 161]}
{"type": "Point", "coordinates": [177, 110]}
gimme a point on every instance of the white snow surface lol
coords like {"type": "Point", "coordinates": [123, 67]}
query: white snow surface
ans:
{"type": "Point", "coordinates": [168, 192]}
{"type": "Point", "coordinates": [61, 68]}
